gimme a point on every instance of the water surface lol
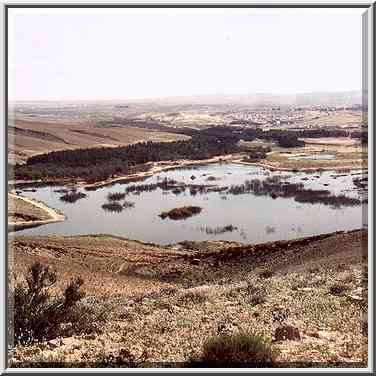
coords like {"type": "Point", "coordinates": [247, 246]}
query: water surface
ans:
{"type": "Point", "coordinates": [253, 218]}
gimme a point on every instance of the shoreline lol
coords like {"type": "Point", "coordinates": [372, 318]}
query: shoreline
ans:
{"type": "Point", "coordinates": [22, 225]}
{"type": "Point", "coordinates": [158, 167]}
{"type": "Point", "coordinates": [230, 244]}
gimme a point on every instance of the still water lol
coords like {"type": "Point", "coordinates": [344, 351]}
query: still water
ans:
{"type": "Point", "coordinates": [254, 218]}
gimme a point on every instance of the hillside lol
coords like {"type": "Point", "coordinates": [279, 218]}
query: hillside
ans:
{"type": "Point", "coordinates": [160, 305]}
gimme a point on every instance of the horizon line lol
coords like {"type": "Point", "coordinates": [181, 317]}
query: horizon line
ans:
{"type": "Point", "coordinates": [164, 97]}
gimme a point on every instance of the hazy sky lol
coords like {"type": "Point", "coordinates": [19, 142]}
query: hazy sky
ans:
{"type": "Point", "coordinates": [133, 53]}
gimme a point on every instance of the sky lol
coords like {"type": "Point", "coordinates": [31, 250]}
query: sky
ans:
{"type": "Point", "coordinates": [68, 54]}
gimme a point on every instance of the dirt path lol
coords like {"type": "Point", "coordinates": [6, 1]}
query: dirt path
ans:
{"type": "Point", "coordinates": [52, 213]}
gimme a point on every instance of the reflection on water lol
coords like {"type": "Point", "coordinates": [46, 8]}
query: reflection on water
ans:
{"type": "Point", "coordinates": [268, 211]}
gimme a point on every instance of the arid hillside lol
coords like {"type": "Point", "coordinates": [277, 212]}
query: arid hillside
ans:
{"type": "Point", "coordinates": [26, 138]}
{"type": "Point", "coordinates": [153, 306]}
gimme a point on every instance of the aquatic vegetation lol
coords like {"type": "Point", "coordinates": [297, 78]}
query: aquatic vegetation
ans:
{"type": "Point", "coordinates": [128, 204]}
{"type": "Point", "coordinates": [113, 207]}
{"type": "Point", "coordinates": [181, 213]}
{"type": "Point", "coordinates": [72, 196]}
{"type": "Point", "coordinates": [218, 230]}
{"type": "Point", "coordinates": [269, 229]}
{"type": "Point", "coordinates": [272, 187]}
{"type": "Point", "coordinates": [115, 196]}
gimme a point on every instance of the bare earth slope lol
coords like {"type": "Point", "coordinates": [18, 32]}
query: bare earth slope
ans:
{"type": "Point", "coordinates": [24, 212]}
{"type": "Point", "coordinates": [27, 138]}
{"type": "Point", "coordinates": [162, 304]}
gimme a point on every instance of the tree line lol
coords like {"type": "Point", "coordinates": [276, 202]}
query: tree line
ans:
{"type": "Point", "coordinates": [95, 164]}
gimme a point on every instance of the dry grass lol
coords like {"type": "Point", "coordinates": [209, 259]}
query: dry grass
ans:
{"type": "Point", "coordinates": [33, 137]}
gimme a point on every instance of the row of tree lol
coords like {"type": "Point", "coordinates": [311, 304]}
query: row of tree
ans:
{"type": "Point", "coordinates": [100, 163]}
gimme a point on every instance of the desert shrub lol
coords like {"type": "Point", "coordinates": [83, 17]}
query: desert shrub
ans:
{"type": "Point", "coordinates": [256, 295]}
{"type": "Point", "coordinates": [196, 295]}
{"type": "Point", "coordinates": [37, 315]}
{"type": "Point", "coordinates": [121, 359]}
{"type": "Point", "coordinates": [266, 273]}
{"type": "Point", "coordinates": [313, 269]}
{"type": "Point", "coordinates": [84, 320]}
{"type": "Point", "coordinates": [242, 349]}
{"type": "Point", "coordinates": [338, 289]}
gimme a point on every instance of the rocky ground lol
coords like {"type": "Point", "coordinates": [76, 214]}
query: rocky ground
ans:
{"type": "Point", "coordinates": [158, 306]}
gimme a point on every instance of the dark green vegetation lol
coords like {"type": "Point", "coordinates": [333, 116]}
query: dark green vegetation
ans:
{"type": "Point", "coordinates": [256, 154]}
{"type": "Point", "coordinates": [237, 350]}
{"type": "Point", "coordinates": [101, 163]}
{"type": "Point", "coordinates": [37, 315]}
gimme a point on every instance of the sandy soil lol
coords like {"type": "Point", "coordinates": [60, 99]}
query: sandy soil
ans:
{"type": "Point", "coordinates": [25, 212]}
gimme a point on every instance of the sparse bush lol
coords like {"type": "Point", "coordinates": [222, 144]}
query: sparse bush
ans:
{"type": "Point", "coordinates": [118, 359]}
{"type": "Point", "coordinates": [196, 295]}
{"type": "Point", "coordinates": [242, 350]}
{"type": "Point", "coordinates": [338, 289]}
{"type": "Point", "coordinates": [266, 273]}
{"type": "Point", "coordinates": [256, 295]}
{"type": "Point", "coordinates": [37, 315]}
{"type": "Point", "coordinates": [84, 320]}
{"type": "Point", "coordinates": [314, 269]}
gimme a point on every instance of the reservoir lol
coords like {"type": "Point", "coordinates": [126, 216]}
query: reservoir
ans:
{"type": "Point", "coordinates": [228, 214]}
